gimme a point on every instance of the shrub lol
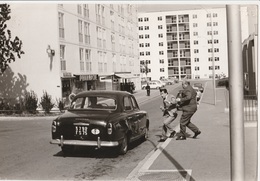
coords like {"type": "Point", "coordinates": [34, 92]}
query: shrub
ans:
{"type": "Point", "coordinates": [31, 101]}
{"type": "Point", "coordinates": [46, 102]}
{"type": "Point", "coordinates": [60, 104]}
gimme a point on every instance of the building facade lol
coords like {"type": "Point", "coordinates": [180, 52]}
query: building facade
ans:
{"type": "Point", "coordinates": [183, 44]}
{"type": "Point", "coordinates": [73, 47]}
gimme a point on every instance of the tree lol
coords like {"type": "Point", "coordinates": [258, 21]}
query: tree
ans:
{"type": "Point", "coordinates": [8, 48]}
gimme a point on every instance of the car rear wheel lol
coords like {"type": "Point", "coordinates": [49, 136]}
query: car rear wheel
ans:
{"type": "Point", "coordinates": [123, 147]}
{"type": "Point", "coordinates": [67, 149]}
{"type": "Point", "coordinates": [146, 134]}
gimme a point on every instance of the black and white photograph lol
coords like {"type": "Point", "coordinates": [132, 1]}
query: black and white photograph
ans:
{"type": "Point", "coordinates": [129, 90]}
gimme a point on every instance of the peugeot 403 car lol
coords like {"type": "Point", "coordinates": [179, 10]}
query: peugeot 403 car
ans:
{"type": "Point", "coordinates": [100, 119]}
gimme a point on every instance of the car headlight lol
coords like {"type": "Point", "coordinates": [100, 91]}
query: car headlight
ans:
{"type": "Point", "coordinates": [55, 123]}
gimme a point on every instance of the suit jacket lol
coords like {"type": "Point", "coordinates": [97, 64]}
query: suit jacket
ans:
{"type": "Point", "coordinates": [188, 101]}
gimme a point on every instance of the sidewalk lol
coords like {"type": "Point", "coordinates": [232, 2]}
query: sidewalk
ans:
{"type": "Point", "coordinates": [205, 158]}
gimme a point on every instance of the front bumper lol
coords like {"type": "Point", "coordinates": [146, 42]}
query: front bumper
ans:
{"type": "Point", "coordinates": [97, 143]}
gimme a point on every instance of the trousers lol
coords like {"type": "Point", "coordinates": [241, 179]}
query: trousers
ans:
{"type": "Point", "coordinates": [185, 122]}
{"type": "Point", "coordinates": [167, 128]}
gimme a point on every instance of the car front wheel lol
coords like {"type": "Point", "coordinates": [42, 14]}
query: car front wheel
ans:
{"type": "Point", "coordinates": [123, 147]}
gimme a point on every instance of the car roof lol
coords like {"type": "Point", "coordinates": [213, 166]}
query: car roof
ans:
{"type": "Point", "coordinates": [102, 93]}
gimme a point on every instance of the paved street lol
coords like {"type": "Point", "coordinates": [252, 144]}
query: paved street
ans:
{"type": "Point", "coordinates": [204, 158]}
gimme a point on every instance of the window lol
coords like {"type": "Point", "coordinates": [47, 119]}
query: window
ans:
{"type": "Point", "coordinates": [161, 69]}
{"type": "Point", "coordinates": [141, 45]}
{"type": "Point", "coordinates": [147, 44]}
{"type": "Point", "coordinates": [209, 24]}
{"type": "Point", "coordinates": [88, 60]}
{"type": "Point", "coordinates": [195, 25]}
{"type": "Point", "coordinates": [216, 50]}
{"type": "Point", "coordinates": [208, 15]}
{"type": "Point", "coordinates": [140, 28]}
{"type": "Point", "coordinates": [80, 31]}
{"type": "Point", "coordinates": [161, 61]}
{"type": "Point", "coordinates": [161, 53]}
{"type": "Point", "coordinates": [159, 18]}
{"type": "Point", "coordinates": [216, 41]}
{"type": "Point", "coordinates": [196, 50]}
{"type": "Point", "coordinates": [86, 10]}
{"type": "Point", "coordinates": [160, 27]}
{"type": "Point", "coordinates": [62, 57]}
{"type": "Point", "coordinates": [215, 23]}
{"type": "Point", "coordinates": [160, 35]}
{"type": "Point", "coordinates": [216, 58]}
{"type": "Point", "coordinates": [146, 19]}
{"type": "Point", "coordinates": [215, 32]}
{"type": "Point", "coordinates": [141, 53]}
{"type": "Point", "coordinates": [195, 33]}
{"type": "Point", "coordinates": [147, 53]}
{"type": "Point", "coordinates": [160, 44]}
{"type": "Point", "coordinates": [217, 67]}
{"type": "Point", "coordinates": [147, 36]}
{"type": "Point", "coordinates": [194, 16]}
{"type": "Point", "coordinates": [209, 50]}
{"type": "Point", "coordinates": [146, 27]}
{"type": "Point", "coordinates": [141, 36]}
{"type": "Point", "coordinates": [196, 42]}
{"type": "Point", "coordinates": [79, 9]}
{"type": "Point", "coordinates": [209, 32]}
{"type": "Point", "coordinates": [86, 33]}
{"type": "Point", "coordinates": [196, 59]}
{"type": "Point", "coordinates": [81, 59]}
{"type": "Point", "coordinates": [140, 19]}
{"type": "Point", "coordinates": [61, 25]}
{"type": "Point", "coordinates": [215, 15]}
{"type": "Point", "coordinates": [209, 41]}
{"type": "Point", "coordinates": [127, 104]}
{"type": "Point", "coordinates": [197, 68]}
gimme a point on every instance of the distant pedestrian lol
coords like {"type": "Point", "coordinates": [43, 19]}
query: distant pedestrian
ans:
{"type": "Point", "coordinates": [188, 104]}
{"type": "Point", "coordinates": [148, 88]}
{"type": "Point", "coordinates": [169, 114]}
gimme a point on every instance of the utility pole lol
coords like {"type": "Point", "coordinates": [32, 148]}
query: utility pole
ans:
{"type": "Point", "coordinates": [236, 93]}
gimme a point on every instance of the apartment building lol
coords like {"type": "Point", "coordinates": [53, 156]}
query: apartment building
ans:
{"type": "Point", "coordinates": [73, 47]}
{"type": "Point", "coordinates": [183, 44]}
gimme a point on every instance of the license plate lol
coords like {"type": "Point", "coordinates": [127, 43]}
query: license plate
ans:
{"type": "Point", "coordinates": [81, 130]}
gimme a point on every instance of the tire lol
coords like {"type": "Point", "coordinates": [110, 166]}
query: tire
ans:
{"type": "Point", "coordinates": [123, 147]}
{"type": "Point", "coordinates": [146, 135]}
{"type": "Point", "coordinates": [67, 149]}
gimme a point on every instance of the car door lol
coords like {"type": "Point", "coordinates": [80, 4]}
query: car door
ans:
{"type": "Point", "coordinates": [131, 116]}
{"type": "Point", "coordinates": [140, 116]}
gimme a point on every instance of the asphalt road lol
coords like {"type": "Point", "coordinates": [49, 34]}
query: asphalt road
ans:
{"type": "Point", "coordinates": [26, 154]}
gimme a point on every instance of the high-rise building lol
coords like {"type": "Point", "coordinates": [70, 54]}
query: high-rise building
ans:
{"type": "Point", "coordinates": [73, 47]}
{"type": "Point", "coordinates": [183, 44]}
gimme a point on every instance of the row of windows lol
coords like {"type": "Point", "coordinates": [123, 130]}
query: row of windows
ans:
{"type": "Point", "coordinates": [217, 67]}
{"type": "Point", "coordinates": [208, 24]}
{"type": "Point", "coordinates": [209, 59]}
{"type": "Point", "coordinates": [148, 44]}
{"type": "Point", "coordinates": [194, 16]}
{"type": "Point", "coordinates": [147, 19]}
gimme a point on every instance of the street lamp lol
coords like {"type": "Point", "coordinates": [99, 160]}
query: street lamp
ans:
{"type": "Point", "coordinates": [213, 57]}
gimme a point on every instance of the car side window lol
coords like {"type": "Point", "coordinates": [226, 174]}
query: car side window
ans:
{"type": "Point", "coordinates": [134, 103]}
{"type": "Point", "coordinates": [127, 104]}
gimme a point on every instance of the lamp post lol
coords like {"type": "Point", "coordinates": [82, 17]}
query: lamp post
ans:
{"type": "Point", "coordinates": [213, 57]}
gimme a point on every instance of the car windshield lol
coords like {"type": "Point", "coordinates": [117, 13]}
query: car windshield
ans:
{"type": "Point", "coordinates": [94, 103]}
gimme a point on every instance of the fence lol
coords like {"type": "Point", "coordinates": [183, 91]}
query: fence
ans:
{"type": "Point", "coordinates": [250, 108]}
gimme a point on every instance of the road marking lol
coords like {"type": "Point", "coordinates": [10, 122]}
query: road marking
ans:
{"type": "Point", "coordinates": [143, 167]}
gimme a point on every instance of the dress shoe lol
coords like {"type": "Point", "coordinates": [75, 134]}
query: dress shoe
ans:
{"type": "Point", "coordinates": [196, 134]}
{"type": "Point", "coordinates": [172, 134]}
{"type": "Point", "coordinates": [181, 138]}
{"type": "Point", "coordinates": [162, 139]}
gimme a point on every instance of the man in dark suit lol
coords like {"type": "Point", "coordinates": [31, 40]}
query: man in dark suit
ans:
{"type": "Point", "coordinates": [188, 104]}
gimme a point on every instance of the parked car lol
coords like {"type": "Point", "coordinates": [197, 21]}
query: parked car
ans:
{"type": "Point", "coordinates": [100, 119]}
{"type": "Point", "coordinates": [199, 86]}
{"type": "Point", "coordinates": [153, 85]}
{"type": "Point", "coordinates": [159, 81]}
{"type": "Point", "coordinates": [167, 81]}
